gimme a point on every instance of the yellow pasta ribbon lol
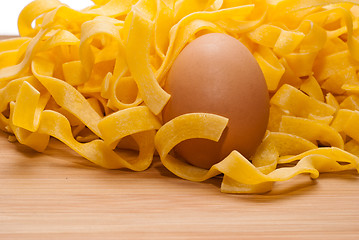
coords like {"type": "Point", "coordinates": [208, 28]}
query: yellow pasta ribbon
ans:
{"type": "Point", "coordinates": [26, 111]}
{"type": "Point", "coordinates": [94, 78]}
{"type": "Point", "coordinates": [127, 122]}
{"type": "Point", "coordinates": [66, 96]}
{"type": "Point", "coordinates": [311, 130]}
{"type": "Point", "coordinates": [311, 87]}
{"type": "Point", "coordinates": [235, 166]}
{"type": "Point", "coordinates": [35, 140]}
{"type": "Point", "coordinates": [283, 42]}
{"type": "Point", "coordinates": [299, 104]}
{"type": "Point", "coordinates": [11, 51]}
{"type": "Point", "coordinates": [137, 49]}
{"type": "Point", "coordinates": [97, 151]}
{"type": "Point", "coordinates": [272, 69]}
{"type": "Point", "coordinates": [33, 11]}
{"type": "Point", "coordinates": [15, 71]}
{"type": "Point", "coordinates": [111, 8]}
{"type": "Point", "coordinates": [192, 125]}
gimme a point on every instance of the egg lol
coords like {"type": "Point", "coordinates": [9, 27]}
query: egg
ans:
{"type": "Point", "coordinates": [216, 73]}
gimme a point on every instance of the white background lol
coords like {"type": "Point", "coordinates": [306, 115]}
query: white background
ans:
{"type": "Point", "coordinates": [10, 10]}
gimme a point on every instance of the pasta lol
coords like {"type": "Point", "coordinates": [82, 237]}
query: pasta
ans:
{"type": "Point", "coordinates": [93, 79]}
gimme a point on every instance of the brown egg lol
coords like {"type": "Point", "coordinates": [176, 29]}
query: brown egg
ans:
{"type": "Point", "coordinates": [217, 74]}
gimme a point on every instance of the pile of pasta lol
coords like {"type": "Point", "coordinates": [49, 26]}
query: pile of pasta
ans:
{"type": "Point", "coordinates": [93, 79]}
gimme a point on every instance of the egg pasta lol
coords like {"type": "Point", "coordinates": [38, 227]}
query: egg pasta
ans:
{"type": "Point", "coordinates": [94, 80]}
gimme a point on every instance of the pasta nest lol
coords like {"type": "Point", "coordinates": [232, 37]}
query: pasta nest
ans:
{"type": "Point", "coordinates": [93, 79]}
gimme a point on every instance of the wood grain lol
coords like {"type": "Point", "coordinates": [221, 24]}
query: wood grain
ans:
{"type": "Point", "coordinates": [2, 37]}
{"type": "Point", "coordinates": [59, 195]}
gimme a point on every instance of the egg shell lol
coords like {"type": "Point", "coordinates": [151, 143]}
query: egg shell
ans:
{"type": "Point", "coordinates": [216, 73]}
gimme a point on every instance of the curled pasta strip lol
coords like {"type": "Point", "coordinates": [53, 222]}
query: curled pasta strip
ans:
{"type": "Point", "coordinates": [137, 49]}
{"type": "Point", "coordinates": [283, 7]}
{"type": "Point", "coordinates": [192, 125]}
{"type": "Point", "coordinates": [111, 8]}
{"type": "Point", "coordinates": [11, 51]}
{"type": "Point", "coordinates": [10, 91]}
{"type": "Point", "coordinates": [127, 122]}
{"type": "Point", "coordinates": [271, 67]}
{"type": "Point", "coordinates": [97, 27]}
{"type": "Point", "coordinates": [299, 104]}
{"type": "Point", "coordinates": [311, 130]}
{"type": "Point", "coordinates": [35, 140]}
{"type": "Point", "coordinates": [14, 71]}
{"type": "Point", "coordinates": [33, 11]}
{"type": "Point", "coordinates": [236, 167]}
{"type": "Point", "coordinates": [283, 42]}
{"type": "Point", "coordinates": [28, 107]}
{"type": "Point", "coordinates": [346, 122]}
{"type": "Point", "coordinates": [118, 93]}
{"type": "Point", "coordinates": [25, 116]}
{"type": "Point", "coordinates": [285, 144]}
{"type": "Point", "coordinates": [312, 164]}
{"type": "Point", "coordinates": [97, 151]}
{"type": "Point", "coordinates": [66, 96]}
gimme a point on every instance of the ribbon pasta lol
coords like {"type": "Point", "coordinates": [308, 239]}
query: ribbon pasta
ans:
{"type": "Point", "coordinates": [93, 79]}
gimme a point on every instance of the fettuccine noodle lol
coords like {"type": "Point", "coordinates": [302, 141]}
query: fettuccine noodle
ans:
{"type": "Point", "coordinates": [93, 79]}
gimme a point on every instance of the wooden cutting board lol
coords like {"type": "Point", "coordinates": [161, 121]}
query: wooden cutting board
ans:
{"type": "Point", "coordinates": [59, 195]}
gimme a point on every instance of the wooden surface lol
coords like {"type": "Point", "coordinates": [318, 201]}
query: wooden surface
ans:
{"type": "Point", "coordinates": [2, 37]}
{"type": "Point", "coordinates": [59, 195]}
